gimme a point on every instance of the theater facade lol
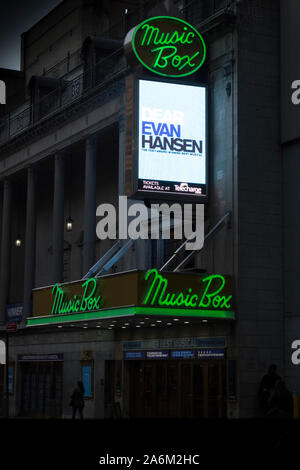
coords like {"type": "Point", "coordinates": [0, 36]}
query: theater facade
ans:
{"type": "Point", "coordinates": [162, 107]}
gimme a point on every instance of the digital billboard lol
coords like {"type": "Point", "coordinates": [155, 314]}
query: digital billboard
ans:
{"type": "Point", "coordinates": [172, 144]}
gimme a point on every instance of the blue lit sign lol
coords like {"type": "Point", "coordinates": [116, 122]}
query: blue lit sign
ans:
{"type": "Point", "coordinates": [14, 313]}
{"type": "Point", "coordinates": [133, 355]}
{"type": "Point", "coordinates": [184, 353]}
{"type": "Point", "coordinates": [86, 377]}
{"type": "Point", "coordinates": [211, 353]}
{"type": "Point", "coordinates": [157, 354]}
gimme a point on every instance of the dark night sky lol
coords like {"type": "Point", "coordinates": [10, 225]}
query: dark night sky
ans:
{"type": "Point", "coordinates": [16, 17]}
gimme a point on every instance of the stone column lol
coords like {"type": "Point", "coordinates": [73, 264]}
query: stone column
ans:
{"type": "Point", "coordinates": [89, 237]}
{"type": "Point", "coordinates": [30, 238]}
{"type": "Point", "coordinates": [58, 219]}
{"type": "Point", "coordinates": [5, 248]}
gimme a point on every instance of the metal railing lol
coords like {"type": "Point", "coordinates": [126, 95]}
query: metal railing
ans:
{"type": "Point", "coordinates": [69, 63]}
{"type": "Point", "coordinates": [66, 93]}
{"type": "Point", "coordinates": [199, 10]}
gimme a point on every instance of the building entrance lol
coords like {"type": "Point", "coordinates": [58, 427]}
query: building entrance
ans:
{"type": "Point", "coordinates": [41, 389]}
{"type": "Point", "coordinates": [177, 389]}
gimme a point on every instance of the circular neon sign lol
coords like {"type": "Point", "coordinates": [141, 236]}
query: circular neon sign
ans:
{"type": "Point", "coordinates": [169, 46]}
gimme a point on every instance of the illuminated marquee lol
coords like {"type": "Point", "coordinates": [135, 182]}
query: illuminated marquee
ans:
{"type": "Point", "coordinates": [134, 294]}
{"type": "Point", "coordinates": [87, 302]}
{"type": "Point", "coordinates": [208, 295]}
{"type": "Point", "coordinates": [169, 46]}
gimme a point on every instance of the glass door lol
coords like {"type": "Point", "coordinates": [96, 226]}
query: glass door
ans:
{"type": "Point", "coordinates": [200, 392]}
{"type": "Point", "coordinates": [41, 394]}
{"type": "Point", "coordinates": [216, 390]}
{"type": "Point", "coordinates": [177, 389]}
{"type": "Point", "coordinates": [187, 392]}
{"type": "Point", "coordinates": [149, 390]}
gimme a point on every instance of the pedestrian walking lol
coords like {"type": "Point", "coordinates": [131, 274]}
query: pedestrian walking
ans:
{"type": "Point", "coordinates": [266, 387]}
{"type": "Point", "coordinates": [281, 404]}
{"type": "Point", "coordinates": [77, 400]}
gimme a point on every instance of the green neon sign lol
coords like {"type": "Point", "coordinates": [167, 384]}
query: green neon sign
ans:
{"type": "Point", "coordinates": [87, 302]}
{"type": "Point", "coordinates": [169, 46]}
{"type": "Point", "coordinates": [152, 293]}
{"type": "Point", "coordinates": [129, 312]}
{"type": "Point", "coordinates": [208, 297]}
{"type": "Point", "coordinates": [185, 312]}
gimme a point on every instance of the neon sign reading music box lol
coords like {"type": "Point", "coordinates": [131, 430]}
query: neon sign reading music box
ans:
{"type": "Point", "coordinates": [134, 293]}
{"type": "Point", "coordinates": [169, 46]}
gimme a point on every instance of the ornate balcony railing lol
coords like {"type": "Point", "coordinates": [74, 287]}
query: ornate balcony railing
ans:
{"type": "Point", "coordinates": [65, 94]}
{"type": "Point", "coordinates": [69, 63]}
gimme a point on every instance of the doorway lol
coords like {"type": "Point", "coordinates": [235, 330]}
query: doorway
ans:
{"type": "Point", "coordinates": [41, 389]}
{"type": "Point", "coordinates": [177, 389]}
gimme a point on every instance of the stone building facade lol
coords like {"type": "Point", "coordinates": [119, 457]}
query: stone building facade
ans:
{"type": "Point", "coordinates": [62, 153]}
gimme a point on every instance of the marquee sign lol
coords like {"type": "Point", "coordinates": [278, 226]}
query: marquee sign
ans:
{"type": "Point", "coordinates": [135, 293]}
{"type": "Point", "coordinates": [87, 301]}
{"type": "Point", "coordinates": [209, 292]}
{"type": "Point", "coordinates": [169, 46]}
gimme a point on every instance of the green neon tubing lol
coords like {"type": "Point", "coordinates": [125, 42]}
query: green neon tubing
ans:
{"type": "Point", "coordinates": [184, 312]}
{"type": "Point", "coordinates": [130, 311]}
{"type": "Point", "coordinates": [88, 302]}
{"type": "Point", "coordinates": [182, 39]}
{"type": "Point", "coordinates": [156, 293]}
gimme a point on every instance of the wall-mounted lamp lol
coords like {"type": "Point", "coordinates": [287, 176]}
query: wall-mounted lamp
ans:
{"type": "Point", "coordinates": [69, 224]}
{"type": "Point", "coordinates": [18, 241]}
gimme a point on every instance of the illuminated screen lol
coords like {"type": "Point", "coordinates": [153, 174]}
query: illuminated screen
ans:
{"type": "Point", "coordinates": [172, 138]}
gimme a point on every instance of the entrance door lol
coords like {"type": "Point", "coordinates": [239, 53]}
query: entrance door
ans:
{"type": "Point", "coordinates": [200, 390]}
{"type": "Point", "coordinates": [216, 383]}
{"type": "Point", "coordinates": [174, 389]}
{"type": "Point", "coordinates": [143, 386]}
{"type": "Point", "coordinates": [203, 392]}
{"type": "Point", "coordinates": [154, 389]}
{"type": "Point", "coordinates": [41, 393]}
{"type": "Point", "coordinates": [187, 390]}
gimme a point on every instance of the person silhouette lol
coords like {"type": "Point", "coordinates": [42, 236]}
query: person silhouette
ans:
{"type": "Point", "coordinates": [281, 403]}
{"type": "Point", "coordinates": [266, 386]}
{"type": "Point", "coordinates": [77, 400]}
